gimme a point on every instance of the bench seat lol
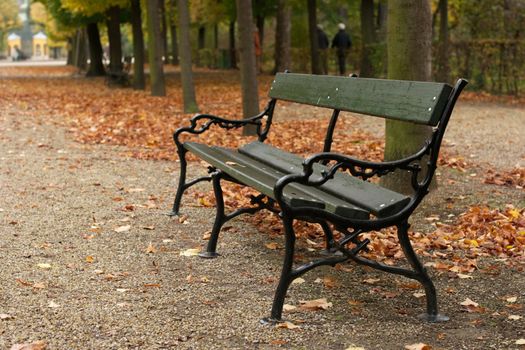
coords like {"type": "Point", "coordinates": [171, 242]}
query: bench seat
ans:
{"type": "Point", "coordinates": [263, 177]}
{"type": "Point", "coordinates": [260, 166]}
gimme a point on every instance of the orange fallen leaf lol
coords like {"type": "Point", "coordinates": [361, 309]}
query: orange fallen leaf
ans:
{"type": "Point", "coordinates": [317, 304]}
{"type": "Point", "coordinates": [418, 346]}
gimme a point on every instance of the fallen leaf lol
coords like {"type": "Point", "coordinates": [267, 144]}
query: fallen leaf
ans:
{"type": "Point", "coordinates": [151, 249]}
{"type": "Point", "coordinates": [520, 341]}
{"type": "Point", "coordinates": [39, 285]}
{"type": "Point", "coordinates": [122, 228]}
{"type": "Point", "coordinates": [5, 317]}
{"type": "Point", "coordinates": [419, 294]}
{"type": "Point", "coordinates": [298, 280]}
{"type": "Point", "coordinates": [152, 285]}
{"type": "Point", "coordinates": [317, 304]}
{"type": "Point", "coordinates": [38, 345]}
{"type": "Point", "coordinates": [44, 266]}
{"type": "Point", "coordinates": [190, 252]}
{"type": "Point", "coordinates": [122, 290]}
{"type": "Point", "coordinates": [52, 304]}
{"type": "Point", "coordinates": [132, 190]}
{"type": "Point", "coordinates": [512, 299]}
{"type": "Point", "coordinates": [287, 325]}
{"type": "Point", "coordinates": [272, 245]}
{"type": "Point", "coordinates": [371, 280]}
{"type": "Point", "coordinates": [278, 342]}
{"type": "Point", "coordinates": [329, 282]}
{"type": "Point", "coordinates": [515, 317]}
{"type": "Point", "coordinates": [418, 346]}
{"type": "Point", "coordinates": [469, 302]}
{"type": "Point", "coordinates": [462, 276]}
{"type": "Point", "coordinates": [149, 228]}
{"type": "Point", "coordinates": [353, 347]}
{"type": "Point", "coordinates": [90, 259]}
{"type": "Point", "coordinates": [288, 307]}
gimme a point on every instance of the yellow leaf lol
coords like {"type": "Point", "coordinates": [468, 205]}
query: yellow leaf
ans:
{"type": "Point", "coordinates": [190, 252]}
{"type": "Point", "coordinates": [90, 259]}
{"type": "Point", "coordinates": [44, 266]}
{"type": "Point", "coordinates": [272, 245]}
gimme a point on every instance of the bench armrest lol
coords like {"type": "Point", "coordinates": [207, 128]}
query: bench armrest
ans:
{"type": "Point", "coordinates": [202, 122]}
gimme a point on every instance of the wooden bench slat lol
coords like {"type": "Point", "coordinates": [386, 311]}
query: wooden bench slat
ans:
{"type": "Point", "coordinates": [263, 178]}
{"type": "Point", "coordinates": [378, 200]}
{"type": "Point", "coordinates": [418, 102]}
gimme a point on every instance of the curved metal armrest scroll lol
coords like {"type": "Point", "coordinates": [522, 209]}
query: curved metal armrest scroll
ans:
{"type": "Point", "coordinates": [202, 122]}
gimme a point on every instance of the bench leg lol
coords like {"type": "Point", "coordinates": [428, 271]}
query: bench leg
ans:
{"type": "Point", "coordinates": [422, 276]}
{"type": "Point", "coordinates": [287, 275]}
{"type": "Point", "coordinates": [182, 183]}
{"type": "Point", "coordinates": [329, 239]}
{"type": "Point", "coordinates": [220, 218]}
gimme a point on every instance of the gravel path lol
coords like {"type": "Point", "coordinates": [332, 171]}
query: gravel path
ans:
{"type": "Point", "coordinates": [69, 279]}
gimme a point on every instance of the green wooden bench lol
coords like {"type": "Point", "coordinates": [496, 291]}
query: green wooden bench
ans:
{"type": "Point", "coordinates": [328, 188]}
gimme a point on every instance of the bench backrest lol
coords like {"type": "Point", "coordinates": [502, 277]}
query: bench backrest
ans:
{"type": "Point", "coordinates": [418, 102]}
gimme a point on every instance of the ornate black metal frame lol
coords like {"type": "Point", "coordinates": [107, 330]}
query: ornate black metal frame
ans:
{"type": "Point", "coordinates": [350, 228]}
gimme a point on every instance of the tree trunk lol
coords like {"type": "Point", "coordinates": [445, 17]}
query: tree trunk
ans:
{"type": "Point", "coordinates": [368, 38]}
{"type": "Point", "coordinates": [96, 66]}
{"type": "Point", "coordinates": [443, 71]}
{"type": "Point", "coordinates": [314, 41]}
{"type": "Point", "coordinates": [409, 58]}
{"type": "Point", "coordinates": [250, 95]}
{"type": "Point", "coordinates": [283, 37]}
{"type": "Point", "coordinates": [233, 53]}
{"type": "Point", "coordinates": [71, 44]}
{"type": "Point", "coordinates": [80, 60]}
{"type": "Point", "coordinates": [115, 41]}
{"type": "Point", "coordinates": [201, 44]}
{"type": "Point", "coordinates": [259, 22]}
{"type": "Point", "coordinates": [163, 28]}
{"type": "Point", "coordinates": [138, 46]}
{"type": "Point", "coordinates": [173, 34]}
{"type": "Point", "coordinates": [156, 68]}
{"type": "Point", "coordinates": [188, 89]}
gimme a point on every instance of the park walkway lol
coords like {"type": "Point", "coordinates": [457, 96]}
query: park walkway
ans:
{"type": "Point", "coordinates": [90, 261]}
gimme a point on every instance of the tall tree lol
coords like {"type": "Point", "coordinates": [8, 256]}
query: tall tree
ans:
{"type": "Point", "coordinates": [250, 95]}
{"type": "Point", "coordinates": [314, 41]}
{"type": "Point", "coordinates": [188, 88]}
{"type": "Point", "coordinates": [231, 44]}
{"type": "Point", "coordinates": [283, 36]}
{"type": "Point", "coordinates": [163, 28]}
{"type": "Point", "coordinates": [96, 66]}
{"type": "Point", "coordinates": [156, 68]}
{"type": "Point", "coordinates": [173, 34]}
{"type": "Point", "coordinates": [115, 40]}
{"type": "Point", "coordinates": [409, 58]}
{"type": "Point", "coordinates": [443, 70]}
{"type": "Point", "coordinates": [367, 38]}
{"type": "Point", "coordinates": [139, 81]}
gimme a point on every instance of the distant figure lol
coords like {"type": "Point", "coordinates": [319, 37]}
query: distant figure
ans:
{"type": "Point", "coordinates": [258, 49]}
{"type": "Point", "coordinates": [323, 49]}
{"type": "Point", "coordinates": [342, 43]}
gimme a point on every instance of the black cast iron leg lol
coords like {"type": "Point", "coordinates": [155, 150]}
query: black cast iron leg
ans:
{"type": "Point", "coordinates": [422, 276]}
{"type": "Point", "coordinates": [329, 239]}
{"type": "Point", "coordinates": [182, 182]}
{"type": "Point", "coordinates": [286, 274]}
{"type": "Point", "coordinates": [220, 218]}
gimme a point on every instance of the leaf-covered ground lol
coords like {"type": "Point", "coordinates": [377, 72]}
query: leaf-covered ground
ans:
{"type": "Point", "coordinates": [476, 214]}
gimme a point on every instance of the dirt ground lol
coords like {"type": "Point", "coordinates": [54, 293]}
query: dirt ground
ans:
{"type": "Point", "coordinates": [91, 261]}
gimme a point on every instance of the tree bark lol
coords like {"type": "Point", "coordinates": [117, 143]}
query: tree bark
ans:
{"type": "Point", "coordinates": [139, 81]}
{"type": "Point", "coordinates": [283, 37]}
{"type": "Point", "coordinates": [368, 38]}
{"type": "Point", "coordinates": [250, 95]}
{"type": "Point", "coordinates": [314, 41]}
{"type": "Point", "coordinates": [80, 58]}
{"type": "Point", "coordinates": [115, 41]}
{"type": "Point", "coordinates": [233, 53]}
{"type": "Point", "coordinates": [156, 67]}
{"type": "Point", "coordinates": [173, 34]}
{"type": "Point", "coordinates": [443, 72]}
{"type": "Point", "coordinates": [163, 28]}
{"type": "Point", "coordinates": [188, 88]}
{"type": "Point", "coordinates": [409, 58]}
{"type": "Point", "coordinates": [96, 66]}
